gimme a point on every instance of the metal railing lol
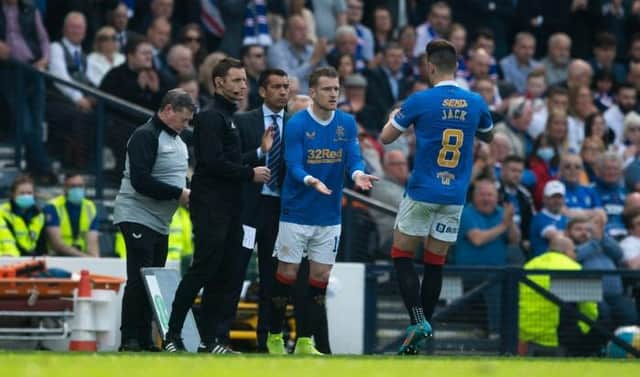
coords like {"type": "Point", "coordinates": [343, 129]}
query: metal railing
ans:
{"type": "Point", "coordinates": [101, 116]}
{"type": "Point", "coordinates": [380, 290]}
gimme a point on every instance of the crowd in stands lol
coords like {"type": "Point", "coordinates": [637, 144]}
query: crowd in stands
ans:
{"type": "Point", "coordinates": [561, 79]}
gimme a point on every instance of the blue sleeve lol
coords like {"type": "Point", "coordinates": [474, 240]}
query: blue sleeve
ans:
{"type": "Point", "coordinates": [408, 113]}
{"type": "Point", "coordinates": [50, 216]}
{"type": "Point", "coordinates": [612, 249]}
{"type": "Point", "coordinates": [294, 150]}
{"type": "Point", "coordinates": [354, 158]}
{"type": "Point", "coordinates": [587, 249]}
{"type": "Point", "coordinates": [468, 221]}
{"type": "Point", "coordinates": [486, 121]}
{"type": "Point", "coordinates": [94, 224]}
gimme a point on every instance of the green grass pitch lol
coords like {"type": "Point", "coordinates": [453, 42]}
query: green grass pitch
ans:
{"type": "Point", "coordinates": [154, 365]}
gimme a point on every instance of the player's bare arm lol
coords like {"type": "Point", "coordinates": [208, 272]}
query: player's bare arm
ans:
{"type": "Point", "coordinates": [389, 132]}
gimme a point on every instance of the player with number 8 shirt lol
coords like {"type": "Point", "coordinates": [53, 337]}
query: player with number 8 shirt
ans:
{"type": "Point", "coordinates": [445, 118]}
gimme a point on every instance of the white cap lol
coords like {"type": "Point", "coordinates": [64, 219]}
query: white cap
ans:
{"type": "Point", "coordinates": [553, 188]}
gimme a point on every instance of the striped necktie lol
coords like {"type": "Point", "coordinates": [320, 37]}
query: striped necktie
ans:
{"type": "Point", "coordinates": [275, 155]}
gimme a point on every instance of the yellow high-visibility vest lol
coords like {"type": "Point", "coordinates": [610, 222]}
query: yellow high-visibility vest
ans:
{"type": "Point", "coordinates": [16, 237]}
{"type": "Point", "coordinates": [87, 215]}
{"type": "Point", "coordinates": [538, 317]}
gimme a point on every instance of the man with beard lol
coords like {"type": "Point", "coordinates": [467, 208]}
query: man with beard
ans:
{"type": "Point", "coordinates": [626, 98]}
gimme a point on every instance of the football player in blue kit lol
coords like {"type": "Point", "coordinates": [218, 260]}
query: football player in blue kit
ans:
{"type": "Point", "coordinates": [321, 144]}
{"type": "Point", "coordinates": [445, 119]}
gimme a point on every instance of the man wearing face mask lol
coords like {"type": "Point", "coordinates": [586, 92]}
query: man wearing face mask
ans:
{"type": "Point", "coordinates": [71, 222]}
{"type": "Point", "coordinates": [21, 221]}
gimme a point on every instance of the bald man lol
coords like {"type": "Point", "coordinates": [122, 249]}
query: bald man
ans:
{"type": "Point", "coordinates": [295, 54]}
{"type": "Point", "coordinates": [580, 73]}
{"type": "Point", "coordinates": [564, 245]}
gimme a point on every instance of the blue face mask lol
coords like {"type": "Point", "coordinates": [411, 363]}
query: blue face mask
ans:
{"type": "Point", "coordinates": [75, 195]}
{"type": "Point", "coordinates": [25, 201]}
{"type": "Point", "coordinates": [546, 153]}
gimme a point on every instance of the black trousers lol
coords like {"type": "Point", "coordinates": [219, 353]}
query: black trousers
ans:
{"type": "Point", "coordinates": [218, 241]}
{"type": "Point", "coordinates": [145, 248]}
{"type": "Point", "coordinates": [266, 225]}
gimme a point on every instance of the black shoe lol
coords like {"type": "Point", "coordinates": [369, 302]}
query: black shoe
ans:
{"type": "Point", "coordinates": [150, 347]}
{"type": "Point", "coordinates": [216, 347]}
{"type": "Point", "coordinates": [173, 344]}
{"type": "Point", "coordinates": [130, 345]}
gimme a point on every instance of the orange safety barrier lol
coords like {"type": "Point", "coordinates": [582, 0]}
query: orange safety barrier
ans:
{"type": "Point", "coordinates": [53, 287]}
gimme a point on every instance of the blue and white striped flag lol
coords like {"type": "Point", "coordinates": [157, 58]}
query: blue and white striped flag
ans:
{"type": "Point", "coordinates": [256, 28]}
{"type": "Point", "coordinates": [211, 18]}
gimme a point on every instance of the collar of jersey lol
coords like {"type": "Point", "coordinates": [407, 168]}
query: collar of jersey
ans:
{"type": "Point", "coordinates": [320, 121]}
{"type": "Point", "coordinates": [447, 82]}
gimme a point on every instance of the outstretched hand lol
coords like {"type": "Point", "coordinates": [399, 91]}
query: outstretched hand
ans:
{"type": "Point", "coordinates": [319, 186]}
{"type": "Point", "coordinates": [365, 181]}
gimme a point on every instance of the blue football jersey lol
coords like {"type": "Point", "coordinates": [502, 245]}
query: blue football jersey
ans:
{"type": "Point", "coordinates": [446, 119]}
{"type": "Point", "coordinates": [324, 150]}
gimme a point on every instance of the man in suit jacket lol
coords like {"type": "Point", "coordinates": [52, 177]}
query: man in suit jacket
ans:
{"type": "Point", "coordinates": [262, 144]}
{"type": "Point", "coordinates": [386, 84]}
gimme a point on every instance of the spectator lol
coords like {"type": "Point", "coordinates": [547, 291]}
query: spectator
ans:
{"type": "Point", "coordinates": [631, 244]}
{"type": "Point", "coordinates": [179, 63]}
{"type": "Point", "coordinates": [603, 85]}
{"type": "Point", "coordinates": [295, 55]}
{"type": "Point", "coordinates": [580, 200]}
{"type": "Point", "coordinates": [255, 62]}
{"type": "Point", "coordinates": [543, 162]}
{"type": "Point", "coordinates": [485, 39]}
{"type": "Point", "coordinates": [355, 102]}
{"type": "Point", "coordinates": [595, 127]}
{"type": "Point", "coordinates": [345, 65]}
{"type": "Point", "coordinates": [382, 32]}
{"type": "Point", "coordinates": [386, 85]}
{"type": "Point", "coordinates": [511, 191]}
{"type": "Point", "coordinates": [297, 103]}
{"type": "Point", "coordinates": [580, 74]}
{"type": "Point", "coordinates": [611, 192]}
{"type": "Point", "coordinates": [365, 37]}
{"type": "Point", "coordinates": [135, 81]}
{"type": "Point", "coordinates": [556, 63]}
{"type": "Point", "coordinates": [407, 39]}
{"type": "Point", "coordinates": [189, 84]}
{"type": "Point", "coordinates": [143, 19]}
{"type": "Point", "coordinates": [536, 88]}
{"type": "Point", "coordinates": [105, 55]}
{"type": "Point", "coordinates": [159, 35]}
{"type": "Point", "coordinates": [557, 99]}
{"type": "Point", "coordinates": [541, 322]}
{"type": "Point", "coordinates": [633, 74]}
{"type": "Point", "coordinates": [68, 109]}
{"type": "Point", "coordinates": [479, 66]}
{"type": "Point", "coordinates": [489, 92]}
{"type": "Point", "coordinates": [119, 20]}
{"type": "Point", "coordinates": [458, 37]}
{"type": "Point", "coordinates": [592, 148]}
{"type": "Point", "coordinates": [515, 128]}
{"type": "Point", "coordinates": [549, 222]}
{"type": "Point", "coordinates": [24, 39]}
{"type": "Point", "coordinates": [21, 221]}
{"type": "Point", "coordinates": [298, 7]}
{"type": "Point", "coordinates": [556, 132]}
{"type": "Point", "coordinates": [436, 26]}
{"type": "Point", "coordinates": [520, 62]}
{"type": "Point", "coordinates": [604, 56]}
{"type": "Point", "coordinates": [346, 43]}
{"type": "Point", "coordinates": [632, 151]}
{"type": "Point", "coordinates": [597, 251]}
{"type": "Point", "coordinates": [580, 107]}
{"type": "Point", "coordinates": [390, 190]}
{"type": "Point", "coordinates": [192, 36]}
{"type": "Point", "coordinates": [626, 101]}
{"type": "Point", "coordinates": [329, 15]}
{"type": "Point", "coordinates": [486, 230]}
{"type": "Point", "coordinates": [71, 221]}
